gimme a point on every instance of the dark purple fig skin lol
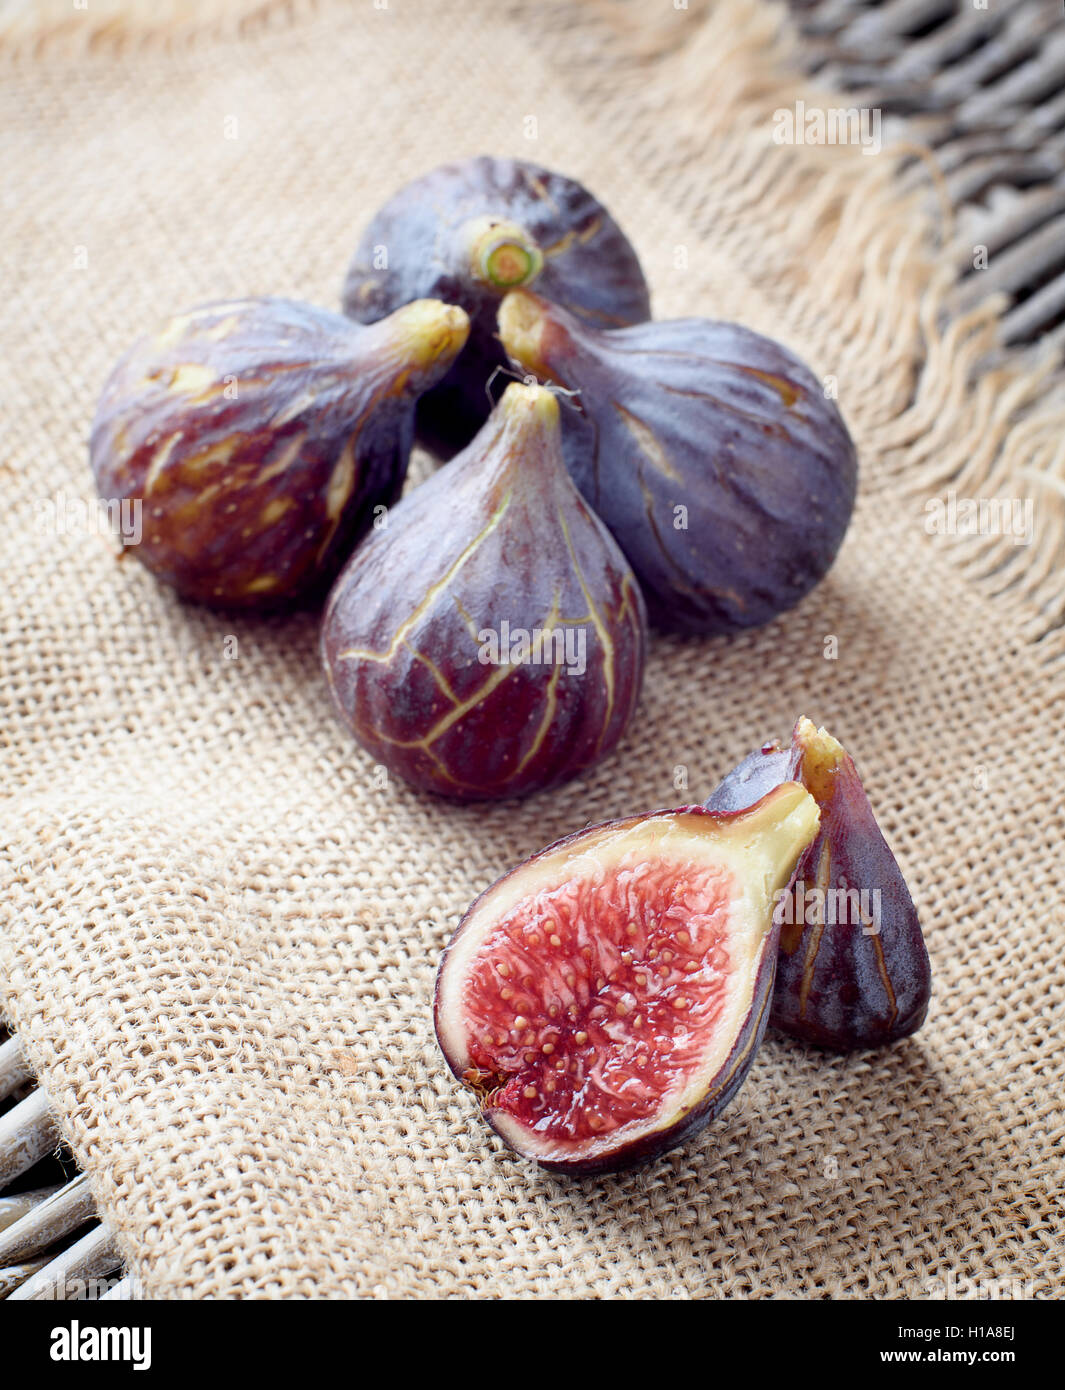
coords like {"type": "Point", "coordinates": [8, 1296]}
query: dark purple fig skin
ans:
{"type": "Point", "coordinates": [712, 418]}
{"type": "Point", "coordinates": [717, 1091]}
{"type": "Point", "coordinates": [585, 262]}
{"type": "Point", "coordinates": [500, 535]}
{"type": "Point", "coordinates": [838, 986]}
{"type": "Point", "coordinates": [259, 435]}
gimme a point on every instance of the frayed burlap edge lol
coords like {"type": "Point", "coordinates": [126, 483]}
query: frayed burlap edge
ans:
{"type": "Point", "coordinates": [41, 29]}
{"type": "Point", "coordinates": [972, 425]}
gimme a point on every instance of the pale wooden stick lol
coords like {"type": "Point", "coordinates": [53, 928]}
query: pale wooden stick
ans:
{"type": "Point", "coordinates": [63, 1210]}
{"type": "Point", "coordinates": [14, 1069]}
{"type": "Point", "coordinates": [66, 1277]}
{"type": "Point", "coordinates": [27, 1133]}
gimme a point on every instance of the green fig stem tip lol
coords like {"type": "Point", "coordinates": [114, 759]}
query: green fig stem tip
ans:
{"type": "Point", "coordinates": [521, 331]}
{"type": "Point", "coordinates": [509, 265]}
{"type": "Point", "coordinates": [502, 254]}
{"type": "Point", "coordinates": [822, 756]}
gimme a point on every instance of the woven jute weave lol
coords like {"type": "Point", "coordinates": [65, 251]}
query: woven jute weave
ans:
{"type": "Point", "coordinates": [221, 930]}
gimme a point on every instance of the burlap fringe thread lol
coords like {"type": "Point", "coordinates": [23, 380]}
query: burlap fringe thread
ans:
{"type": "Point", "coordinates": [990, 431]}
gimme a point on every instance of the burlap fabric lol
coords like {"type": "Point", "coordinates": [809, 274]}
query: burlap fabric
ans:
{"type": "Point", "coordinates": [221, 933]}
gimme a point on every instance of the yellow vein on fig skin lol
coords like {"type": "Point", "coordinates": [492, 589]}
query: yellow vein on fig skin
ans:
{"type": "Point", "coordinates": [605, 640]}
{"type": "Point", "coordinates": [467, 618]}
{"type": "Point", "coordinates": [335, 510]}
{"type": "Point", "coordinates": [644, 438]}
{"type": "Point", "coordinates": [159, 460]}
{"type": "Point", "coordinates": [885, 977]}
{"type": "Point", "coordinates": [822, 878]}
{"type": "Point", "coordinates": [728, 407]}
{"type": "Point", "coordinates": [680, 583]}
{"type": "Point", "coordinates": [447, 720]}
{"type": "Point", "coordinates": [471, 629]}
{"type": "Point", "coordinates": [345, 474]}
{"type": "Point", "coordinates": [540, 189]}
{"type": "Point", "coordinates": [196, 381]}
{"type": "Point", "coordinates": [434, 671]}
{"type": "Point", "coordinates": [177, 326]}
{"type": "Point", "coordinates": [463, 708]}
{"type": "Point", "coordinates": [552, 688]}
{"type": "Point", "coordinates": [286, 457]}
{"type": "Point", "coordinates": [364, 654]}
{"type": "Point", "coordinates": [583, 235]}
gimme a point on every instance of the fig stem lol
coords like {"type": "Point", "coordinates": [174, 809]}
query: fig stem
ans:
{"type": "Point", "coordinates": [531, 400]}
{"type": "Point", "coordinates": [502, 254]}
{"type": "Point", "coordinates": [426, 331]}
{"type": "Point", "coordinates": [822, 757]}
{"type": "Point", "coordinates": [522, 326]}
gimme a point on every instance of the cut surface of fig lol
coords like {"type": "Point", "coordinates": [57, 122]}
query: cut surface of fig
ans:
{"type": "Point", "coordinates": [853, 969]}
{"type": "Point", "coordinates": [605, 999]}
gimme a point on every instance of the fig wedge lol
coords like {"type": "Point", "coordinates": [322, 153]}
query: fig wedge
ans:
{"type": "Point", "coordinates": [605, 999]}
{"type": "Point", "coordinates": [853, 969]}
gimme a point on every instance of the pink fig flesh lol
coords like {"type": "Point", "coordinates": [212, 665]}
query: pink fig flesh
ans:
{"type": "Point", "coordinates": [605, 999]}
{"type": "Point", "coordinates": [853, 969]}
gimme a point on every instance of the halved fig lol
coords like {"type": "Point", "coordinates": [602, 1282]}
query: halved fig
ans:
{"type": "Point", "coordinates": [605, 999]}
{"type": "Point", "coordinates": [853, 969]}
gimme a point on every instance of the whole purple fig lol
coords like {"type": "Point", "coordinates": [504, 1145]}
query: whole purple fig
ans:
{"type": "Point", "coordinates": [469, 231]}
{"type": "Point", "coordinates": [853, 968]}
{"type": "Point", "coordinates": [711, 453]}
{"type": "Point", "coordinates": [256, 437]}
{"type": "Point", "coordinates": [489, 641]}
